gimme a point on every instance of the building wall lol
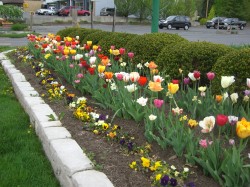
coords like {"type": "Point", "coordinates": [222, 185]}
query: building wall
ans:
{"type": "Point", "coordinates": [31, 5]}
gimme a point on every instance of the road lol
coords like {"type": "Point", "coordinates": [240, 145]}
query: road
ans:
{"type": "Point", "coordinates": [195, 33]}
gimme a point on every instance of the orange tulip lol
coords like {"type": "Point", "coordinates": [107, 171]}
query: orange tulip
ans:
{"type": "Point", "coordinates": [218, 98]}
{"type": "Point", "coordinates": [152, 65]}
{"type": "Point", "coordinates": [105, 60]}
{"type": "Point", "coordinates": [155, 86]}
{"type": "Point", "coordinates": [108, 75]}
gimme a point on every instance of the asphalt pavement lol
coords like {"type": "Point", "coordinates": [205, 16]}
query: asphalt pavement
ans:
{"type": "Point", "coordinates": [195, 33]}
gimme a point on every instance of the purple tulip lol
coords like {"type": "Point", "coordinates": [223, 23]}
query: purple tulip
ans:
{"type": "Point", "coordinates": [186, 80]}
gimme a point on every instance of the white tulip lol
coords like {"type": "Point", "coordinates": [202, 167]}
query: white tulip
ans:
{"type": "Point", "coordinates": [226, 81]}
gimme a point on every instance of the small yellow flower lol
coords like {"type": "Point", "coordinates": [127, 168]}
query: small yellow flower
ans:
{"type": "Point", "coordinates": [184, 118]}
{"type": "Point", "coordinates": [133, 165]}
{"type": "Point", "coordinates": [158, 177]}
{"type": "Point", "coordinates": [47, 56]}
{"type": "Point", "coordinates": [145, 162]}
{"type": "Point", "coordinates": [105, 126]}
{"type": "Point", "coordinates": [95, 131]}
{"type": "Point", "coordinates": [192, 123]}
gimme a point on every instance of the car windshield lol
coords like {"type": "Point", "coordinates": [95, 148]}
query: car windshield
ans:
{"type": "Point", "coordinates": [228, 19]}
{"type": "Point", "coordinates": [170, 18]}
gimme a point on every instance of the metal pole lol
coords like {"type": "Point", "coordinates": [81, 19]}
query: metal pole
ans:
{"type": "Point", "coordinates": [155, 16]}
{"type": "Point", "coordinates": [91, 4]}
{"type": "Point", "coordinates": [113, 28]}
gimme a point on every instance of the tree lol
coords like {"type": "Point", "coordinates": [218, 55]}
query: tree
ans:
{"type": "Point", "coordinates": [125, 7]}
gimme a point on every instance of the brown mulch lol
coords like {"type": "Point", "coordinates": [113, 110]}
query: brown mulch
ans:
{"type": "Point", "coordinates": [108, 155]}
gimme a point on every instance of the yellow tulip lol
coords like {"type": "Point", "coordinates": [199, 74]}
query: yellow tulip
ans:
{"type": "Point", "coordinates": [66, 51]}
{"type": "Point", "coordinates": [173, 88]}
{"type": "Point", "coordinates": [89, 43]}
{"type": "Point", "coordinates": [95, 47]}
{"type": "Point", "coordinates": [116, 52]}
{"type": "Point", "coordinates": [72, 51]}
{"type": "Point", "coordinates": [243, 128]}
{"type": "Point", "coordinates": [101, 68]}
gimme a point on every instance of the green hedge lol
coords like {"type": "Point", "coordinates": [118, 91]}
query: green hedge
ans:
{"type": "Point", "coordinates": [190, 56]}
{"type": "Point", "coordinates": [115, 38]}
{"type": "Point", "coordinates": [148, 46]}
{"type": "Point", "coordinates": [96, 37]}
{"type": "Point", "coordinates": [65, 32]}
{"type": "Point", "coordinates": [236, 63]}
{"type": "Point", "coordinates": [82, 33]}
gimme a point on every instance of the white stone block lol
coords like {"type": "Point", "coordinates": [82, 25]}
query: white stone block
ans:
{"type": "Point", "coordinates": [17, 77]}
{"type": "Point", "coordinates": [42, 113]}
{"type": "Point", "coordinates": [28, 102]}
{"type": "Point", "coordinates": [91, 178]}
{"type": "Point", "coordinates": [67, 158]}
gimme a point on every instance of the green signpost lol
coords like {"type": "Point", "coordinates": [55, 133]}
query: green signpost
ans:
{"type": "Point", "coordinates": [155, 16]}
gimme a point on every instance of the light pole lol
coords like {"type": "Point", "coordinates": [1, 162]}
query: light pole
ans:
{"type": "Point", "coordinates": [155, 16]}
{"type": "Point", "coordinates": [91, 12]}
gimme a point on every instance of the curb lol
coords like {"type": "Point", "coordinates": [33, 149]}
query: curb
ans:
{"type": "Point", "coordinates": [70, 164]}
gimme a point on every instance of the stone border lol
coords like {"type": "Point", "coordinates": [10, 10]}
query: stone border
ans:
{"type": "Point", "coordinates": [70, 164]}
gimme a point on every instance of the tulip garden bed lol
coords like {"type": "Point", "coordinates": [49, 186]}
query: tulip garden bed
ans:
{"type": "Point", "coordinates": [132, 146]}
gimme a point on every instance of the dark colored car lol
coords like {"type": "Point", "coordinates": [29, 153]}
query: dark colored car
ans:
{"type": "Point", "coordinates": [234, 23]}
{"type": "Point", "coordinates": [107, 11]}
{"type": "Point", "coordinates": [214, 22]}
{"type": "Point", "coordinates": [65, 11]}
{"type": "Point", "coordinates": [175, 22]}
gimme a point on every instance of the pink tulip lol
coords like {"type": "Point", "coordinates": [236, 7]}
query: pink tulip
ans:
{"type": "Point", "coordinates": [122, 51]}
{"type": "Point", "coordinates": [210, 75]}
{"type": "Point", "coordinates": [77, 81]}
{"type": "Point", "coordinates": [79, 75]}
{"type": "Point", "coordinates": [158, 103]}
{"type": "Point", "coordinates": [112, 47]}
{"type": "Point", "coordinates": [130, 55]}
{"type": "Point", "coordinates": [71, 65]}
{"type": "Point", "coordinates": [203, 143]}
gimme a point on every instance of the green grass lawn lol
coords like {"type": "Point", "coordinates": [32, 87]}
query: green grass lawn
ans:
{"type": "Point", "coordinates": [22, 160]}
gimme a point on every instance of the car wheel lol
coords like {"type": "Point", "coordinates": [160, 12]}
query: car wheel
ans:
{"type": "Point", "coordinates": [160, 27]}
{"type": "Point", "coordinates": [177, 28]}
{"type": "Point", "coordinates": [208, 27]}
{"type": "Point", "coordinates": [186, 27]}
{"type": "Point", "coordinates": [169, 26]}
{"type": "Point", "coordinates": [85, 14]}
{"type": "Point", "coordinates": [241, 27]}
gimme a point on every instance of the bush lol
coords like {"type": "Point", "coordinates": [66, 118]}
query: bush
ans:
{"type": "Point", "coordinates": [65, 32]}
{"type": "Point", "coordinates": [190, 56]}
{"type": "Point", "coordinates": [96, 37]}
{"type": "Point", "coordinates": [115, 38]}
{"type": "Point", "coordinates": [148, 46]}
{"type": "Point", "coordinates": [19, 27]}
{"type": "Point", "coordinates": [235, 63]}
{"type": "Point", "coordinates": [203, 21]}
{"type": "Point", "coordinates": [82, 33]}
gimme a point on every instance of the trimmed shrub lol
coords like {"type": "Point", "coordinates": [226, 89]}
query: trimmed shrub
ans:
{"type": "Point", "coordinates": [236, 63]}
{"type": "Point", "coordinates": [65, 32]}
{"type": "Point", "coordinates": [148, 46]}
{"type": "Point", "coordinates": [190, 56]}
{"type": "Point", "coordinates": [115, 38]}
{"type": "Point", "coordinates": [19, 27]}
{"type": "Point", "coordinates": [96, 37]}
{"type": "Point", "coordinates": [82, 33]}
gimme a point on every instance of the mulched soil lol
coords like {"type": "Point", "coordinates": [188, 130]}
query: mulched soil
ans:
{"type": "Point", "coordinates": [113, 160]}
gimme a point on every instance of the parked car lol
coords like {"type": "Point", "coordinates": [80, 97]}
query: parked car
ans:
{"type": "Point", "coordinates": [232, 22]}
{"type": "Point", "coordinates": [107, 11]}
{"type": "Point", "coordinates": [65, 11]}
{"type": "Point", "coordinates": [52, 12]}
{"type": "Point", "coordinates": [175, 22]}
{"type": "Point", "coordinates": [214, 22]}
{"type": "Point", "coordinates": [43, 11]}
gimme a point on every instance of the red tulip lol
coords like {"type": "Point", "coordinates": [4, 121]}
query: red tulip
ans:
{"type": "Point", "coordinates": [122, 51]}
{"type": "Point", "coordinates": [197, 74]}
{"type": "Point", "coordinates": [175, 81]}
{"type": "Point", "coordinates": [91, 71]}
{"type": "Point", "coordinates": [221, 119]}
{"type": "Point", "coordinates": [142, 81]}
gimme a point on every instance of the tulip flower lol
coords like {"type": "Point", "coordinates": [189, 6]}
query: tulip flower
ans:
{"type": "Point", "coordinates": [131, 88]}
{"type": "Point", "coordinates": [119, 76]}
{"type": "Point", "coordinates": [130, 55]}
{"type": "Point", "coordinates": [134, 76]}
{"type": "Point", "coordinates": [210, 75]}
{"type": "Point", "coordinates": [152, 117]}
{"type": "Point", "coordinates": [186, 80]}
{"type": "Point", "coordinates": [226, 81]}
{"type": "Point", "coordinates": [175, 81]}
{"type": "Point", "coordinates": [142, 81]}
{"type": "Point", "coordinates": [116, 52]}
{"type": "Point", "coordinates": [122, 51]}
{"type": "Point", "coordinates": [191, 76]}
{"type": "Point", "coordinates": [158, 78]}
{"type": "Point", "coordinates": [173, 88]}
{"type": "Point", "coordinates": [152, 65]}
{"type": "Point", "coordinates": [142, 101]}
{"type": "Point", "coordinates": [101, 68]}
{"type": "Point", "coordinates": [234, 97]}
{"type": "Point", "coordinates": [155, 86]}
{"type": "Point", "coordinates": [248, 82]}
{"type": "Point", "coordinates": [158, 103]}
{"type": "Point", "coordinates": [92, 60]}
{"type": "Point", "coordinates": [108, 75]}
{"type": "Point", "coordinates": [243, 128]}
{"type": "Point", "coordinates": [105, 60]}
{"type": "Point", "coordinates": [247, 92]}
{"type": "Point", "coordinates": [207, 124]}
{"type": "Point", "coordinates": [221, 119]}
{"type": "Point", "coordinates": [232, 120]}
{"type": "Point", "coordinates": [197, 75]}
{"type": "Point", "coordinates": [89, 43]}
